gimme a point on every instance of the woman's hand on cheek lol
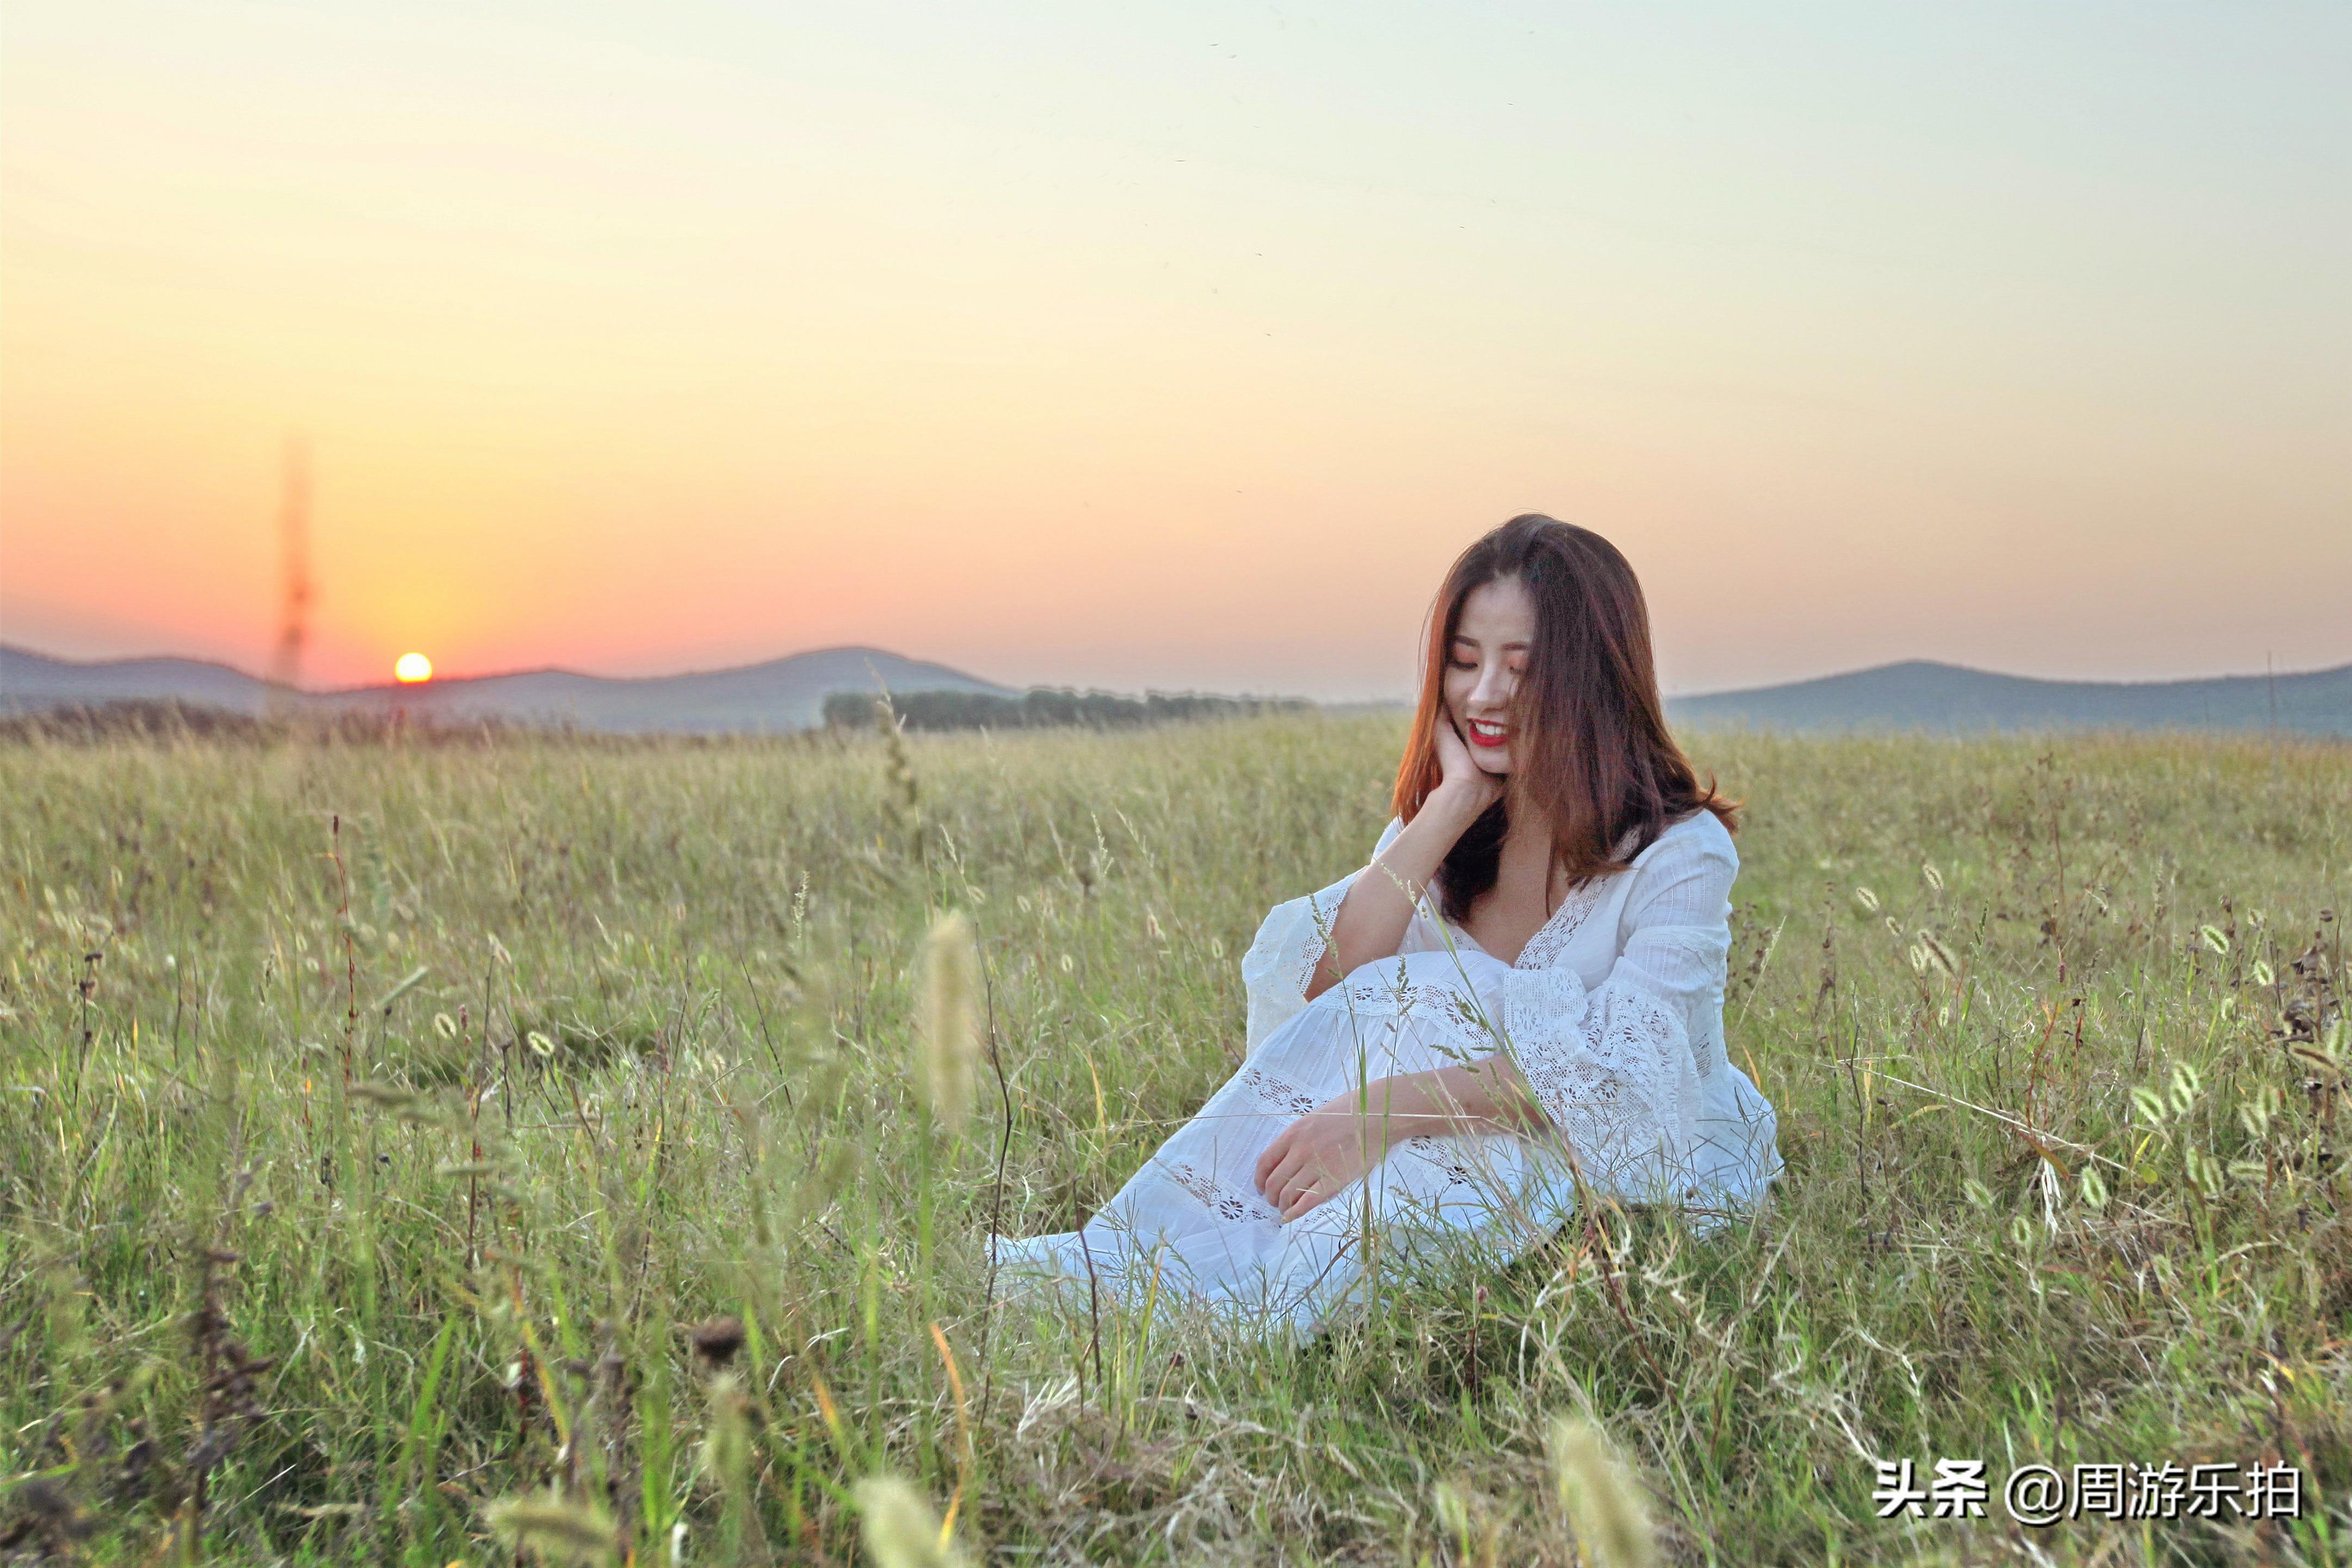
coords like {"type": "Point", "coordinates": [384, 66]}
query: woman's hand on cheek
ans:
{"type": "Point", "coordinates": [1318, 1156]}
{"type": "Point", "coordinates": [1458, 771]}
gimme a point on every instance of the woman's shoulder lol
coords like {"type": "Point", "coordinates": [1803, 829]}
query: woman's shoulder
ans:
{"type": "Point", "coordinates": [1700, 836]}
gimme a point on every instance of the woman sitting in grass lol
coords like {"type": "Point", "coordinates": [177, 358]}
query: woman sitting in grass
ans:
{"type": "Point", "coordinates": [1514, 1007]}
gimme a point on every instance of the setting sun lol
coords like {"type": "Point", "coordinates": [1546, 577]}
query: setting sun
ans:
{"type": "Point", "coordinates": [412, 668]}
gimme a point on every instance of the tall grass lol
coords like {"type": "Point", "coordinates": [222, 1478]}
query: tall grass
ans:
{"type": "Point", "coordinates": [418, 1154]}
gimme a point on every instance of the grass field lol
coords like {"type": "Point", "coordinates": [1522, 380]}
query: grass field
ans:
{"type": "Point", "coordinates": [378, 1123]}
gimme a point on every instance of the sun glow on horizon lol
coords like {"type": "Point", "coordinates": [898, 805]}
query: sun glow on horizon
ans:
{"type": "Point", "coordinates": [410, 669]}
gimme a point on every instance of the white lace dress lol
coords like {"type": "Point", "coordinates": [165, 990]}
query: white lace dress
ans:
{"type": "Point", "coordinates": [1613, 1012]}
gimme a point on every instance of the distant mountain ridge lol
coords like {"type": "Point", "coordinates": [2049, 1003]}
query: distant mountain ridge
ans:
{"type": "Point", "coordinates": [781, 695]}
{"type": "Point", "coordinates": [1921, 695]}
{"type": "Point", "coordinates": [788, 694]}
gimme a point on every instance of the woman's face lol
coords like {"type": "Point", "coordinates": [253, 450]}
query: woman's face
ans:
{"type": "Point", "coordinates": [1482, 667]}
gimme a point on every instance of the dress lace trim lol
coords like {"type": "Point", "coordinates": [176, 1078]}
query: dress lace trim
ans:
{"type": "Point", "coordinates": [1458, 1171]}
{"type": "Point", "coordinates": [1318, 941]}
{"type": "Point", "coordinates": [1552, 938]}
{"type": "Point", "coordinates": [1215, 1195]}
{"type": "Point", "coordinates": [1613, 1070]}
{"type": "Point", "coordinates": [1450, 1005]}
{"type": "Point", "coordinates": [1279, 1094]}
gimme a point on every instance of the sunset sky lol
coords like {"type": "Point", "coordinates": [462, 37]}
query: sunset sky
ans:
{"type": "Point", "coordinates": [1177, 345]}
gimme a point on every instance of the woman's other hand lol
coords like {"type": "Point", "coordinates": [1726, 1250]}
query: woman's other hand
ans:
{"type": "Point", "coordinates": [1319, 1155]}
{"type": "Point", "coordinates": [1337, 1143]}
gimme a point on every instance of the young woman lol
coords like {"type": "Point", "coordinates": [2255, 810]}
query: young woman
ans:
{"type": "Point", "coordinates": [1518, 1000]}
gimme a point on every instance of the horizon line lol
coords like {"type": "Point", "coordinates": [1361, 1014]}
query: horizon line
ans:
{"type": "Point", "coordinates": [440, 679]}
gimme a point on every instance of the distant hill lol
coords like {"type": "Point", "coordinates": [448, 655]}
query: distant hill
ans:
{"type": "Point", "coordinates": [1919, 695]}
{"type": "Point", "coordinates": [30, 682]}
{"type": "Point", "coordinates": [783, 694]}
{"type": "Point", "coordinates": [787, 694]}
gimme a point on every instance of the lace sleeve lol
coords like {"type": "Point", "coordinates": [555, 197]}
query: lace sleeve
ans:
{"type": "Point", "coordinates": [1290, 942]}
{"type": "Point", "coordinates": [1616, 1069]}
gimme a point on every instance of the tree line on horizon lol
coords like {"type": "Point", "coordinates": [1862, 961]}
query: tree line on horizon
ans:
{"type": "Point", "coordinates": [1046, 707]}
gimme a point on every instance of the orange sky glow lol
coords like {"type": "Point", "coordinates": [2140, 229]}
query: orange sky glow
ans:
{"type": "Point", "coordinates": [1176, 346]}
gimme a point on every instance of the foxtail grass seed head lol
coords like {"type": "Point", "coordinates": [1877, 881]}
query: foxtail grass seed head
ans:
{"type": "Point", "coordinates": [1933, 877]}
{"type": "Point", "coordinates": [2094, 1190]}
{"type": "Point", "coordinates": [726, 1450]}
{"type": "Point", "coordinates": [1866, 898]}
{"type": "Point", "coordinates": [1939, 957]}
{"type": "Point", "coordinates": [541, 1045]}
{"type": "Point", "coordinates": [408, 982]}
{"type": "Point", "coordinates": [1453, 1509]}
{"type": "Point", "coordinates": [2184, 1088]}
{"type": "Point", "coordinates": [2214, 938]}
{"type": "Point", "coordinates": [899, 1527]}
{"type": "Point", "coordinates": [1603, 1503]}
{"type": "Point", "coordinates": [556, 1528]}
{"type": "Point", "coordinates": [951, 1019]}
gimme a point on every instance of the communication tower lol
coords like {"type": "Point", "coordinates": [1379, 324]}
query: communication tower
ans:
{"type": "Point", "coordinates": [294, 558]}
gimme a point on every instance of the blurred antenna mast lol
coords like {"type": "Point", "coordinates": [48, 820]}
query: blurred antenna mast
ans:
{"type": "Point", "coordinates": [294, 558]}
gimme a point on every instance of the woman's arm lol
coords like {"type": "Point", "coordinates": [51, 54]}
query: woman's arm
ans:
{"type": "Point", "coordinates": [1613, 1071]}
{"type": "Point", "coordinates": [1370, 920]}
{"type": "Point", "coordinates": [1346, 1136]}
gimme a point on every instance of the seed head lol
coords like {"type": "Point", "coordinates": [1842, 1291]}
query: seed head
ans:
{"type": "Point", "coordinates": [1603, 1503]}
{"type": "Point", "coordinates": [716, 1340]}
{"type": "Point", "coordinates": [1453, 1509]}
{"type": "Point", "coordinates": [556, 1529]}
{"type": "Point", "coordinates": [389, 1097]}
{"type": "Point", "coordinates": [951, 1019]}
{"type": "Point", "coordinates": [899, 1528]}
{"type": "Point", "coordinates": [1939, 957]}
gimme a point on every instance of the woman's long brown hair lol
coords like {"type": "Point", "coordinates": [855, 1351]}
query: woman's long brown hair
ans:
{"type": "Point", "coordinates": [1590, 747]}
